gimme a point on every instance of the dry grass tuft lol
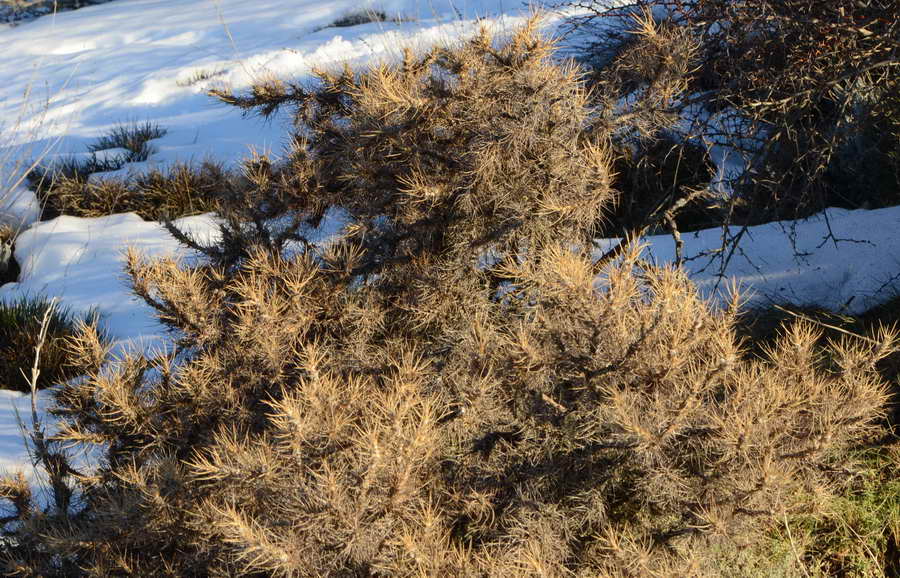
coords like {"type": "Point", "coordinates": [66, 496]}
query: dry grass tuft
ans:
{"type": "Point", "coordinates": [77, 187]}
{"type": "Point", "coordinates": [171, 192]}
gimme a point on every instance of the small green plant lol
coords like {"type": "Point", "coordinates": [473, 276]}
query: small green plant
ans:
{"type": "Point", "coordinates": [857, 533]}
{"type": "Point", "coordinates": [861, 536]}
{"type": "Point", "coordinates": [20, 324]}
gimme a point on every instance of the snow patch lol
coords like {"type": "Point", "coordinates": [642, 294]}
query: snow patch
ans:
{"type": "Point", "coordinates": [844, 261]}
{"type": "Point", "coordinates": [81, 262]}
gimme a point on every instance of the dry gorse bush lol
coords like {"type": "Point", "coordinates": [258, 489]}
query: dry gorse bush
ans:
{"type": "Point", "coordinates": [449, 389]}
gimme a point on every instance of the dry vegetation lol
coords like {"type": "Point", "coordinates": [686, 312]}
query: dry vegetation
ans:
{"type": "Point", "coordinates": [450, 389]}
{"type": "Point", "coordinates": [79, 187]}
{"type": "Point", "coordinates": [804, 90]}
{"type": "Point", "coordinates": [134, 138]}
{"type": "Point", "coordinates": [161, 193]}
{"type": "Point", "coordinates": [365, 16]}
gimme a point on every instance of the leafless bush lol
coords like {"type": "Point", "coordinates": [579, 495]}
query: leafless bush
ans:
{"type": "Point", "coordinates": [656, 175]}
{"type": "Point", "coordinates": [448, 389]}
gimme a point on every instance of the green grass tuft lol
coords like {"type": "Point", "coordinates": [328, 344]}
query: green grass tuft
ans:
{"type": "Point", "coordinates": [134, 137]}
{"type": "Point", "coordinates": [20, 324]}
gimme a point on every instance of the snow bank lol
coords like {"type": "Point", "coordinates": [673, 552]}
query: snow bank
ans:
{"type": "Point", "coordinates": [81, 261]}
{"type": "Point", "coordinates": [19, 208]}
{"type": "Point", "coordinates": [13, 453]}
{"type": "Point", "coordinates": [845, 261]}
{"type": "Point", "coordinates": [86, 71]}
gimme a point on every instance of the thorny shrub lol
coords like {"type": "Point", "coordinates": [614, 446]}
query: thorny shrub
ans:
{"type": "Point", "coordinates": [449, 388]}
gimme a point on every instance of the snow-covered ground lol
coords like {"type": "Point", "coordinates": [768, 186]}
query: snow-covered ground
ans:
{"type": "Point", "coordinates": [844, 261]}
{"type": "Point", "coordinates": [68, 78]}
{"type": "Point", "coordinates": [81, 73]}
